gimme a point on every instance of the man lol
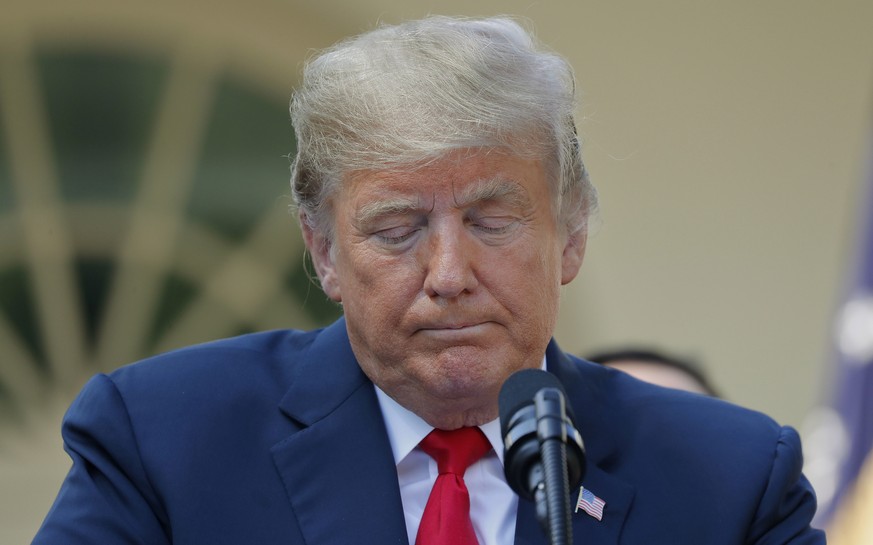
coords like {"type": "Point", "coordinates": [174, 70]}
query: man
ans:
{"type": "Point", "coordinates": [443, 199]}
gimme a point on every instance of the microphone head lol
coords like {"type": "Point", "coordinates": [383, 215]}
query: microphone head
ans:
{"type": "Point", "coordinates": [519, 390]}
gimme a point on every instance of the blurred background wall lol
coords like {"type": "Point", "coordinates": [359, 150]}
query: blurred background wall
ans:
{"type": "Point", "coordinates": [143, 188]}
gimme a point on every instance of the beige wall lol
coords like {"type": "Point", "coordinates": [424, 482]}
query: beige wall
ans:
{"type": "Point", "coordinates": [727, 140]}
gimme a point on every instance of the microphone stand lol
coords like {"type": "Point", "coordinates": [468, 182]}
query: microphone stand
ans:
{"type": "Point", "coordinates": [553, 492]}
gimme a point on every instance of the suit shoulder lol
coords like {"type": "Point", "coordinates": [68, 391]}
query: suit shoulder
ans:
{"type": "Point", "coordinates": [262, 348]}
{"type": "Point", "coordinates": [262, 362]}
{"type": "Point", "coordinates": [696, 447]}
{"type": "Point", "coordinates": [663, 416]}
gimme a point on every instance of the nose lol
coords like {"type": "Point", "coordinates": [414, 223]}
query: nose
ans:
{"type": "Point", "coordinates": [449, 262]}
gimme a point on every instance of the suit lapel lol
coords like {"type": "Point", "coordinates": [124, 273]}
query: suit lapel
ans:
{"type": "Point", "coordinates": [340, 462]}
{"type": "Point", "coordinates": [594, 423]}
{"type": "Point", "coordinates": [338, 469]}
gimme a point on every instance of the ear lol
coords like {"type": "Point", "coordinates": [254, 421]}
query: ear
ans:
{"type": "Point", "coordinates": [573, 254]}
{"type": "Point", "coordinates": [319, 246]}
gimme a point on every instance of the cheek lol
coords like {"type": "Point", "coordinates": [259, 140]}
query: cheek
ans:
{"type": "Point", "coordinates": [535, 269]}
{"type": "Point", "coordinates": [375, 290]}
{"type": "Point", "coordinates": [535, 287]}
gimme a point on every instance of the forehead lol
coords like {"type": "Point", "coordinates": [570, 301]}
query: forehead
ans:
{"type": "Point", "coordinates": [465, 175]}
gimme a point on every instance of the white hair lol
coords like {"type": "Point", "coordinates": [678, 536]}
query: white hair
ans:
{"type": "Point", "coordinates": [400, 96]}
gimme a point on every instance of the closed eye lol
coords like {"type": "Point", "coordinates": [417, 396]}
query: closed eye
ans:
{"type": "Point", "coordinates": [494, 226]}
{"type": "Point", "coordinates": [494, 230]}
{"type": "Point", "coordinates": [395, 235]}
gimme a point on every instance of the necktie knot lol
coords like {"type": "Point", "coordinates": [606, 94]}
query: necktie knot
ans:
{"type": "Point", "coordinates": [456, 450]}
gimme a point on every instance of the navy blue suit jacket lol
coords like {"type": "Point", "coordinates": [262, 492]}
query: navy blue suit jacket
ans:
{"type": "Point", "coordinates": [277, 438]}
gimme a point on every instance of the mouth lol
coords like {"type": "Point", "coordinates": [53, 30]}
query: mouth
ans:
{"type": "Point", "coordinates": [454, 330]}
{"type": "Point", "coordinates": [450, 326]}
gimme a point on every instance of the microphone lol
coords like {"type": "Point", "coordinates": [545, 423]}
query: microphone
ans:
{"type": "Point", "coordinates": [543, 451]}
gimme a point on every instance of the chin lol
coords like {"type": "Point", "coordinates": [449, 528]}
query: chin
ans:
{"type": "Point", "coordinates": [460, 387]}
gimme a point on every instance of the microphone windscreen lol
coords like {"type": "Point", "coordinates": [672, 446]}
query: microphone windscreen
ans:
{"type": "Point", "coordinates": [519, 390]}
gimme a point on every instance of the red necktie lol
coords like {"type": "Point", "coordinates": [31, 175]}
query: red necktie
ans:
{"type": "Point", "coordinates": [446, 518]}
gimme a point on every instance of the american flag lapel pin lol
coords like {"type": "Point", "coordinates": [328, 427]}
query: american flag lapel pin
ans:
{"type": "Point", "coordinates": [590, 503]}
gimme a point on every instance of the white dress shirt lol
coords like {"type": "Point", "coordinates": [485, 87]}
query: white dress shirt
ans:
{"type": "Point", "coordinates": [493, 504]}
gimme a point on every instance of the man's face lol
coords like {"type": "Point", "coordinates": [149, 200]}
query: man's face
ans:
{"type": "Point", "coordinates": [449, 276]}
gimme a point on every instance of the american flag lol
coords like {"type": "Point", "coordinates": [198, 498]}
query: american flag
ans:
{"type": "Point", "coordinates": [841, 468]}
{"type": "Point", "coordinates": [590, 503]}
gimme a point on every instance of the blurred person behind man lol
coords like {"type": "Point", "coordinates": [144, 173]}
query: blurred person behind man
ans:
{"type": "Point", "coordinates": [657, 367]}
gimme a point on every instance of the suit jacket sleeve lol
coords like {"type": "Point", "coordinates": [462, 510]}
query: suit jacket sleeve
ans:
{"type": "Point", "coordinates": [106, 497]}
{"type": "Point", "coordinates": [788, 501]}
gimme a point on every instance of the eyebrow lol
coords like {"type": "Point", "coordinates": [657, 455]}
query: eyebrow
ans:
{"type": "Point", "coordinates": [380, 209]}
{"type": "Point", "coordinates": [492, 189]}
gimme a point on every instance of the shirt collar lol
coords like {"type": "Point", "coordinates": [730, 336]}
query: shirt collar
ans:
{"type": "Point", "coordinates": [406, 429]}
